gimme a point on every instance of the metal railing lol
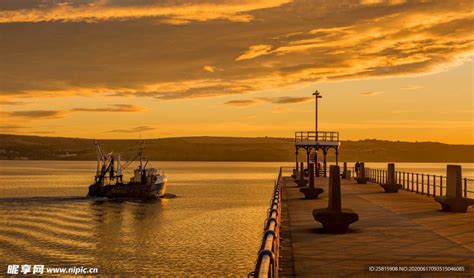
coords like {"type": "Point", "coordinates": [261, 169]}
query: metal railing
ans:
{"type": "Point", "coordinates": [426, 184]}
{"type": "Point", "coordinates": [267, 261]}
{"type": "Point", "coordinates": [322, 136]}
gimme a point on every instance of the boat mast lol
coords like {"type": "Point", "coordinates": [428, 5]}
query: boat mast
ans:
{"type": "Point", "coordinates": [99, 158]}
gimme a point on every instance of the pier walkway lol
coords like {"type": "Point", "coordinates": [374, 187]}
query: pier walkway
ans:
{"type": "Point", "coordinates": [397, 229]}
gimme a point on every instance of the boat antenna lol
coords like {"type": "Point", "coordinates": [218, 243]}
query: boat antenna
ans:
{"type": "Point", "coordinates": [140, 151]}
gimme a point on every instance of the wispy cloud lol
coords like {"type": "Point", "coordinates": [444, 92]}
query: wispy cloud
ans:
{"type": "Point", "coordinates": [132, 130]}
{"type": "Point", "coordinates": [242, 102]}
{"type": "Point", "coordinates": [371, 93]}
{"type": "Point", "coordinates": [111, 108]}
{"type": "Point", "coordinates": [255, 51]}
{"type": "Point", "coordinates": [289, 100]}
{"type": "Point", "coordinates": [411, 87]}
{"type": "Point", "coordinates": [278, 100]}
{"type": "Point", "coordinates": [38, 114]}
{"type": "Point", "coordinates": [209, 68]}
{"type": "Point", "coordinates": [170, 12]}
{"type": "Point", "coordinates": [56, 114]}
{"type": "Point", "coordinates": [13, 102]}
{"type": "Point", "coordinates": [10, 127]}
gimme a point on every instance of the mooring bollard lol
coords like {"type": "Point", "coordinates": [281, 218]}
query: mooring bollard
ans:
{"type": "Point", "coordinates": [391, 186]}
{"type": "Point", "coordinates": [361, 179]}
{"type": "Point", "coordinates": [301, 181]}
{"type": "Point", "coordinates": [311, 192]}
{"type": "Point", "coordinates": [454, 200]}
{"type": "Point", "coordinates": [344, 171]}
{"type": "Point", "coordinates": [348, 175]}
{"type": "Point", "coordinates": [295, 172]}
{"type": "Point", "coordinates": [334, 219]}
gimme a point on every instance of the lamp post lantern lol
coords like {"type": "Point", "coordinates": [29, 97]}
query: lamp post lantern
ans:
{"type": "Point", "coordinates": [316, 95]}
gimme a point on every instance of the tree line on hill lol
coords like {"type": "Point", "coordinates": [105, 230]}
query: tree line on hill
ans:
{"type": "Point", "coordinates": [228, 149]}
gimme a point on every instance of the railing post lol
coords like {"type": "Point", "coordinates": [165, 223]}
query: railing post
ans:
{"type": "Point", "coordinates": [412, 182]}
{"type": "Point", "coordinates": [440, 185]}
{"type": "Point", "coordinates": [434, 185]}
{"type": "Point", "coordinates": [422, 184]}
{"type": "Point", "coordinates": [408, 180]}
{"type": "Point", "coordinates": [465, 187]}
{"type": "Point", "coordinates": [428, 185]}
{"type": "Point", "coordinates": [403, 180]}
{"type": "Point", "coordinates": [416, 182]}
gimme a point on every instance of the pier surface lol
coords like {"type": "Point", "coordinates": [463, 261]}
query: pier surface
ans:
{"type": "Point", "coordinates": [398, 229]}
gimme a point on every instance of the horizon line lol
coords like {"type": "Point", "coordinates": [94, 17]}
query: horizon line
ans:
{"type": "Point", "coordinates": [217, 136]}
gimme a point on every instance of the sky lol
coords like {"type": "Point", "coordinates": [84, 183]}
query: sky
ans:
{"type": "Point", "coordinates": [392, 70]}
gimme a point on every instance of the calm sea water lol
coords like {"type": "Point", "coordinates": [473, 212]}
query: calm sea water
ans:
{"type": "Point", "coordinates": [212, 227]}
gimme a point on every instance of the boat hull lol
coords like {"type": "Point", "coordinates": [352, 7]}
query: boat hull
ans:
{"type": "Point", "coordinates": [129, 190]}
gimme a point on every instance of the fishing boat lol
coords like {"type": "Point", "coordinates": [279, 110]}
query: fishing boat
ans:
{"type": "Point", "coordinates": [146, 182]}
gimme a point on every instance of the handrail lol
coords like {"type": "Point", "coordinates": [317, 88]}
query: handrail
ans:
{"type": "Point", "coordinates": [426, 184]}
{"type": "Point", "coordinates": [267, 261]}
{"type": "Point", "coordinates": [320, 136]}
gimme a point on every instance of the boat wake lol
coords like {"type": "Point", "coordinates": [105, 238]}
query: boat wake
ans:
{"type": "Point", "coordinates": [46, 199]}
{"type": "Point", "coordinates": [54, 199]}
{"type": "Point", "coordinates": [169, 196]}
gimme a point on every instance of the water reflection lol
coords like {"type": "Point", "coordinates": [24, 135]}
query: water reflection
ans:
{"type": "Point", "coordinates": [212, 227]}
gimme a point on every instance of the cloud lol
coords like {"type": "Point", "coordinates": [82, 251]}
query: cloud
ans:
{"type": "Point", "coordinates": [209, 68]}
{"type": "Point", "coordinates": [386, 2]}
{"type": "Point", "coordinates": [283, 44]}
{"type": "Point", "coordinates": [255, 51]}
{"type": "Point", "coordinates": [132, 130]}
{"type": "Point", "coordinates": [12, 102]}
{"type": "Point", "coordinates": [56, 114]}
{"type": "Point", "coordinates": [10, 127]}
{"type": "Point", "coordinates": [37, 114]}
{"type": "Point", "coordinates": [371, 93]}
{"type": "Point", "coordinates": [288, 100]}
{"type": "Point", "coordinates": [278, 100]}
{"type": "Point", "coordinates": [170, 12]}
{"type": "Point", "coordinates": [242, 102]}
{"type": "Point", "coordinates": [111, 108]}
{"type": "Point", "coordinates": [411, 87]}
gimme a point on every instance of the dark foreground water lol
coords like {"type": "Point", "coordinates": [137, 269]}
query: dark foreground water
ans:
{"type": "Point", "coordinates": [212, 227]}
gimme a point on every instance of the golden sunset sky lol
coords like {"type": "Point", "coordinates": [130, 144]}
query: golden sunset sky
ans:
{"type": "Point", "coordinates": [396, 70]}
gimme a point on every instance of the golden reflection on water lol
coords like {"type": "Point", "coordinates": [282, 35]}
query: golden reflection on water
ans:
{"type": "Point", "coordinates": [212, 227]}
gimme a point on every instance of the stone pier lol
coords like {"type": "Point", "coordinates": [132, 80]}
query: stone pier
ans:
{"type": "Point", "coordinates": [393, 230]}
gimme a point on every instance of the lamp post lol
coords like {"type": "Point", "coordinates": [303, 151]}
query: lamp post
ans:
{"type": "Point", "coordinates": [316, 95]}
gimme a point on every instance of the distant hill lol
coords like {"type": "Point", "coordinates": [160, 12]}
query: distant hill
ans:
{"type": "Point", "coordinates": [227, 149]}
